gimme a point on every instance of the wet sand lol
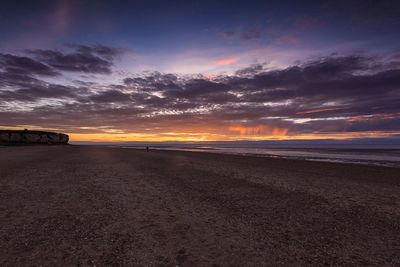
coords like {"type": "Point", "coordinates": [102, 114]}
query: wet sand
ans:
{"type": "Point", "coordinates": [77, 205]}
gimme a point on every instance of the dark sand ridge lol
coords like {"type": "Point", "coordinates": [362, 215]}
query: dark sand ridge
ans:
{"type": "Point", "coordinates": [71, 205]}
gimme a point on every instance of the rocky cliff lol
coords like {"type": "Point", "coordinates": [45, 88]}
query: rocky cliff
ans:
{"type": "Point", "coordinates": [9, 137]}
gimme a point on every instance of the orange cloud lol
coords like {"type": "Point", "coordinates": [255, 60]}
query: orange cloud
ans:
{"type": "Point", "coordinates": [226, 61]}
{"type": "Point", "coordinates": [259, 130]}
{"type": "Point", "coordinates": [279, 131]}
{"type": "Point", "coordinates": [210, 77]}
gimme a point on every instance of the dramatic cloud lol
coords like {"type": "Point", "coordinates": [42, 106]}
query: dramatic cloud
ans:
{"type": "Point", "coordinates": [87, 59]}
{"type": "Point", "coordinates": [21, 65]}
{"type": "Point", "coordinates": [103, 51]}
{"type": "Point", "coordinates": [39, 92]}
{"type": "Point", "coordinates": [251, 70]}
{"type": "Point", "coordinates": [330, 95]}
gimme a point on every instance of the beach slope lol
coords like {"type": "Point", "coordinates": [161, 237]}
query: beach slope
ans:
{"type": "Point", "coordinates": [86, 205]}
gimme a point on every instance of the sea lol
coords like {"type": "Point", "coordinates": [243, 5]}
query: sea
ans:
{"type": "Point", "coordinates": [351, 152]}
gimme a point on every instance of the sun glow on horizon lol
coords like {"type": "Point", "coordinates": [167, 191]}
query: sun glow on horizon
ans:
{"type": "Point", "coordinates": [209, 137]}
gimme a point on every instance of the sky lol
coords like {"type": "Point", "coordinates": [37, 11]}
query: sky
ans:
{"type": "Point", "coordinates": [201, 70]}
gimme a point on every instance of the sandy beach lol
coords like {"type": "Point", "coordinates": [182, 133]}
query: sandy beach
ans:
{"type": "Point", "coordinates": [98, 206]}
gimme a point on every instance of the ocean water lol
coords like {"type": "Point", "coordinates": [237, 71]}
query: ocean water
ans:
{"type": "Point", "coordinates": [382, 155]}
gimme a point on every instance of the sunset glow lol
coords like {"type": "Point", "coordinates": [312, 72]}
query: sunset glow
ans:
{"type": "Point", "coordinates": [240, 72]}
{"type": "Point", "coordinates": [206, 137]}
{"type": "Point", "coordinates": [226, 61]}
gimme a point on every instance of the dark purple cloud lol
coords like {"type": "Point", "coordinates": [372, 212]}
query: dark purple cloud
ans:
{"type": "Point", "coordinates": [110, 96]}
{"type": "Point", "coordinates": [22, 65]}
{"type": "Point", "coordinates": [88, 59]}
{"type": "Point", "coordinates": [101, 50]}
{"type": "Point", "coordinates": [243, 35]}
{"type": "Point", "coordinates": [331, 94]}
{"type": "Point", "coordinates": [42, 91]}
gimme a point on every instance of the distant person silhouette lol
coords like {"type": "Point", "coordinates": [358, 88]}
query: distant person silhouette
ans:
{"type": "Point", "coordinates": [147, 148]}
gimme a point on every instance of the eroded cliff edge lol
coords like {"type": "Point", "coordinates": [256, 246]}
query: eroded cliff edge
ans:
{"type": "Point", "coordinates": [15, 137]}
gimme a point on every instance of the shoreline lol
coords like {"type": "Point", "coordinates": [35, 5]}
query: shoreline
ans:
{"type": "Point", "coordinates": [337, 160]}
{"type": "Point", "coordinates": [88, 205]}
